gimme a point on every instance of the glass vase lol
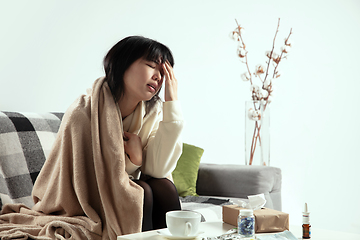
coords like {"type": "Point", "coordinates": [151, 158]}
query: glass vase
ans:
{"type": "Point", "coordinates": [257, 133]}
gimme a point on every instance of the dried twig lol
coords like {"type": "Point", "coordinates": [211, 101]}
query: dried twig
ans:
{"type": "Point", "coordinates": [266, 85]}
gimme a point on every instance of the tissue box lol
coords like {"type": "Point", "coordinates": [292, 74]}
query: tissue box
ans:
{"type": "Point", "coordinates": [266, 219]}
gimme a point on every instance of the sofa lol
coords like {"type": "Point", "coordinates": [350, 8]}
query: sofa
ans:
{"type": "Point", "coordinates": [26, 138]}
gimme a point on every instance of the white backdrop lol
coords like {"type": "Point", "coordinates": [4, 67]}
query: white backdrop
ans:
{"type": "Point", "coordinates": [52, 51]}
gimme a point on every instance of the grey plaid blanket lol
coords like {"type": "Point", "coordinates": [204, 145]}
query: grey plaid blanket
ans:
{"type": "Point", "coordinates": [25, 141]}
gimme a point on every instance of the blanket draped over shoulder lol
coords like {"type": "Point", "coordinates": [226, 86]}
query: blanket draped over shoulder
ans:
{"type": "Point", "coordinates": [82, 191]}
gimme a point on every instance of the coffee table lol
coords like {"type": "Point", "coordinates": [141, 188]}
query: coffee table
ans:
{"type": "Point", "coordinates": [212, 229]}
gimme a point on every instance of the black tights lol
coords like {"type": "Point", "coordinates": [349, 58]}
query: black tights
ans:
{"type": "Point", "coordinates": [160, 196]}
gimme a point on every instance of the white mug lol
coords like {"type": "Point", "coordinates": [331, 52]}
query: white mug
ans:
{"type": "Point", "coordinates": [183, 223]}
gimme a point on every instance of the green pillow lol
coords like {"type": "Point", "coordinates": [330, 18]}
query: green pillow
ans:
{"type": "Point", "coordinates": [186, 171]}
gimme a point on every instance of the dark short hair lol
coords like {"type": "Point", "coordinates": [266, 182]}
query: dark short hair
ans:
{"type": "Point", "coordinates": [124, 53]}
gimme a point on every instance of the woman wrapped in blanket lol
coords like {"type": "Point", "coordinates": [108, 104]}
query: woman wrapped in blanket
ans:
{"type": "Point", "coordinates": [136, 68]}
{"type": "Point", "coordinates": [109, 171]}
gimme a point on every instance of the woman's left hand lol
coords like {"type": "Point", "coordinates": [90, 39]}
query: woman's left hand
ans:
{"type": "Point", "coordinates": [171, 83]}
{"type": "Point", "coordinates": [133, 148]}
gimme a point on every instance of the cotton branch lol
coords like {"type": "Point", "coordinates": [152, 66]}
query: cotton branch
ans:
{"type": "Point", "coordinates": [272, 50]}
{"type": "Point", "coordinates": [244, 46]}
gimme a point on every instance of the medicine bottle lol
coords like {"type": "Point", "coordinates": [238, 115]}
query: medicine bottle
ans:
{"type": "Point", "coordinates": [306, 223]}
{"type": "Point", "coordinates": [246, 224]}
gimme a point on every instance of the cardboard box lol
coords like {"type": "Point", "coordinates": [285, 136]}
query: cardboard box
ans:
{"type": "Point", "coordinates": [266, 219]}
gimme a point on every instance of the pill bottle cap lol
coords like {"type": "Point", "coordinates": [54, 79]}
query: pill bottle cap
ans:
{"type": "Point", "coordinates": [306, 210]}
{"type": "Point", "coordinates": [306, 215]}
{"type": "Point", "coordinates": [246, 212]}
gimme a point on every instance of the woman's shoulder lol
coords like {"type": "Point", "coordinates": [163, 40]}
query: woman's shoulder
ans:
{"type": "Point", "coordinates": [159, 105]}
{"type": "Point", "coordinates": [78, 112]}
{"type": "Point", "coordinates": [157, 108]}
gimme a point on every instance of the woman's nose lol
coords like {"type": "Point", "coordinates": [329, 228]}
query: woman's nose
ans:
{"type": "Point", "coordinates": [157, 76]}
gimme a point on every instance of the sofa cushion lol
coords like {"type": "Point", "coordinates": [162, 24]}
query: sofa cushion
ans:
{"type": "Point", "coordinates": [186, 171]}
{"type": "Point", "coordinates": [25, 141]}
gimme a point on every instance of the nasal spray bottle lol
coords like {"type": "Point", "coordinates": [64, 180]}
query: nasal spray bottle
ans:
{"type": "Point", "coordinates": [306, 223]}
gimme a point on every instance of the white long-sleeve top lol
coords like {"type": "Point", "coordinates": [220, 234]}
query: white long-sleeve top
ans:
{"type": "Point", "coordinates": [159, 132]}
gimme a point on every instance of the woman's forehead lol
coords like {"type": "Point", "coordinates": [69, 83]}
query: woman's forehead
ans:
{"type": "Point", "coordinates": [155, 59]}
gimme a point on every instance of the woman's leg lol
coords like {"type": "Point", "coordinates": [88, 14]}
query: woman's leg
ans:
{"type": "Point", "coordinates": [147, 224]}
{"type": "Point", "coordinates": [165, 198]}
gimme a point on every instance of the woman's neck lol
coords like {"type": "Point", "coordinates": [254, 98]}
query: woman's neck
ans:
{"type": "Point", "coordinates": [127, 106]}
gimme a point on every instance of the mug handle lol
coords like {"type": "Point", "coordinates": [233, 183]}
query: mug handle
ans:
{"type": "Point", "coordinates": [187, 228]}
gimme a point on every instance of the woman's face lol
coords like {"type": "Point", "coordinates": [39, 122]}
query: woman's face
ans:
{"type": "Point", "coordinates": [142, 80]}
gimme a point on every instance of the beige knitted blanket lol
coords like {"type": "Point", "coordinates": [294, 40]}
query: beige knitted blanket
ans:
{"type": "Point", "coordinates": [83, 191]}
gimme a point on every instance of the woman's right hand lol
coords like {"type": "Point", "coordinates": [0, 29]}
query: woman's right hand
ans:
{"type": "Point", "coordinates": [133, 148]}
{"type": "Point", "coordinates": [171, 83]}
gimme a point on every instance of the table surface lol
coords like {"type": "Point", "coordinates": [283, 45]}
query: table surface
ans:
{"type": "Point", "coordinates": [213, 229]}
{"type": "Point", "coordinates": [210, 228]}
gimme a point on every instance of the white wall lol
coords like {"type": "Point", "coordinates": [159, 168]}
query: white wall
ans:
{"type": "Point", "coordinates": [51, 51]}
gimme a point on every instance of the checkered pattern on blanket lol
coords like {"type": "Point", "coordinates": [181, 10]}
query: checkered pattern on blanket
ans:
{"type": "Point", "coordinates": [25, 142]}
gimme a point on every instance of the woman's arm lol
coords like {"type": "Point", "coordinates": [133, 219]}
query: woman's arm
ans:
{"type": "Point", "coordinates": [164, 145]}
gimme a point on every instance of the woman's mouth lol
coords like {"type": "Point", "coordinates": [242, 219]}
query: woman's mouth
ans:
{"type": "Point", "coordinates": [151, 88]}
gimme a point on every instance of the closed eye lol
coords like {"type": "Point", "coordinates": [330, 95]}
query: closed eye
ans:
{"type": "Point", "coordinates": [149, 65]}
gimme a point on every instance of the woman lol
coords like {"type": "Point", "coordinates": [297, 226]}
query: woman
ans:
{"type": "Point", "coordinates": [136, 68]}
{"type": "Point", "coordinates": [90, 186]}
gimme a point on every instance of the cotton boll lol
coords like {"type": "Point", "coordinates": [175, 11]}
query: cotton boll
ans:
{"type": "Point", "coordinates": [276, 58]}
{"type": "Point", "coordinates": [264, 93]}
{"type": "Point", "coordinates": [285, 49]}
{"type": "Point", "coordinates": [251, 114]}
{"type": "Point", "coordinates": [234, 35]}
{"type": "Point", "coordinates": [267, 83]}
{"type": "Point", "coordinates": [259, 69]}
{"type": "Point", "coordinates": [275, 55]}
{"type": "Point", "coordinates": [268, 53]}
{"type": "Point", "coordinates": [245, 76]}
{"type": "Point", "coordinates": [254, 88]}
{"type": "Point", "coordinates": [241, 52]}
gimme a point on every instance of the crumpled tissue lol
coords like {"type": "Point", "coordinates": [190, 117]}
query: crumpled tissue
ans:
{"type": "Point", "coordinates": [255, 202]}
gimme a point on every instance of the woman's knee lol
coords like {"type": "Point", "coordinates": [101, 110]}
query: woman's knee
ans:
{"type": "Point", "coordinates": [146, 187]}
{"type": "Point", "coordinates": [162, 184]}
